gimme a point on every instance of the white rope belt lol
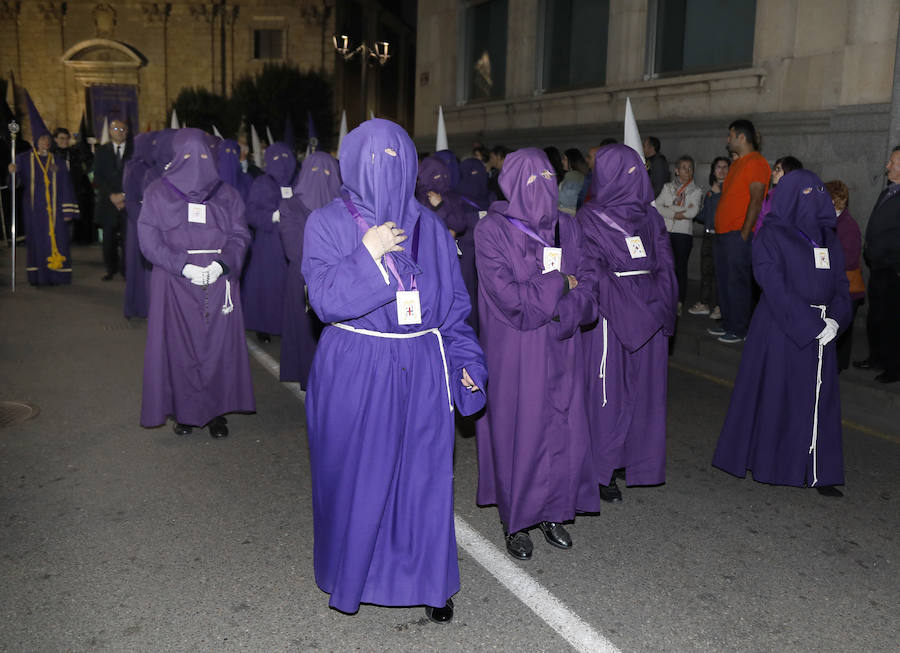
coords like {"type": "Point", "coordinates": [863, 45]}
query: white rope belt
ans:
{"type": "Point", "coordinates": [228, 306]}
{"type": "Point", "coordinates": [631, 273]}
{"type": "Point", "coordinates": [603, 361]}
{"type": "Point", "coordinates": [815, 428]}
{"type": "Point", "coordinates": [404, 336]}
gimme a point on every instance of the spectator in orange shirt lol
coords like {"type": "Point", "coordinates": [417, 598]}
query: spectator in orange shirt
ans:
{"type": "Point", "coordinates": [738, 210]}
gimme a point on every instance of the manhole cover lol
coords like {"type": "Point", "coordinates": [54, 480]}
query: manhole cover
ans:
{"type": "Point", "coordinates": [14, 412]}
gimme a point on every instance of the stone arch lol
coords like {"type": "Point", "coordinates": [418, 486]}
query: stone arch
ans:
{"type": "Point", "coordinates": [103, 51]}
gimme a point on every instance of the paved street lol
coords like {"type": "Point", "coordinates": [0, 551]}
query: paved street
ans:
{"type": "Point", "coordinates": [119, 538]}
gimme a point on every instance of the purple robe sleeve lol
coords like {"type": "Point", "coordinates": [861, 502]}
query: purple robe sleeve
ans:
{"type": "Point", "coordinates": [840, 307]}
{"type": "Point", "coordinates": [526, 304]}
{"type": "Point", "coordinates": [463, 350]}
{"type": "Point", "coordinates": [238, 236]}
{"type": "Point", "coordinates": [343, 282]}
{"type": "Point", "coordinates": [579, 306]}
{"type": "Point", "coordinates": [262, 202]}
{"type": "Point", "coordinates": [150, 238]}
{"type": "Point", "coordinates": [665, 301]}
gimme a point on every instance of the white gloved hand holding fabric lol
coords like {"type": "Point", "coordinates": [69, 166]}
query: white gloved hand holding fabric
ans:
{"type": "Point", "coordinates": [194, 273]}
{"type": "Point", "coordinates": [829, 333]}
{"type": "Point", "coordinates": [382, 239]}
{"type": "Point", "coordinates": [214, 271]}
{"type": "Point", "coordinates": [276, 216]}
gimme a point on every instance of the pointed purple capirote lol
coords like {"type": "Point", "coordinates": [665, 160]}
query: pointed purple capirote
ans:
{"type": "Point", "coordinates": [229, 165]}
{"type": "Point", "coordinates": [627, 351]}
{"type": "Point", "coordinates": [533, 442]}
{"type": "Point", "coordinates": [379, 421]}
{"type": "Point", "coordinates": [38, 128]}
{"type": "Point", "coordinates": [266, 268]}
{"type": "Point", "coordinates": [769, 426]}
{"type": "Point", "coordinates": [195, 362]}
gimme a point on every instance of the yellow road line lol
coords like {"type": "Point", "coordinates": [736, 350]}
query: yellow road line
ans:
{"type": "Point", "coordinates": [718, 380]}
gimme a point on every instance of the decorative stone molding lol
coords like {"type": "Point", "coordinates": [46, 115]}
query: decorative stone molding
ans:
{"type": "Point", "coordinates": [103, 61]}
{"type": "Point", "coordinates": [52, 11]}
{"type": "Point", "coordinates": [105, 19]}
{"type": "Point", "coordinates": [155, 13]}
{"type": "Point", "coordinates": [9, 9]}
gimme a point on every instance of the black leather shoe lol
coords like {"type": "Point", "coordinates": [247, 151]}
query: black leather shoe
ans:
{"type": "Point", "coordinates": [217, 428]}
{"type": "Point", "coordinates": [888, 377]}
{"type": "Point", "coordinates": [611, 492]}
{"type": "Point", "coordinates": [519, 545]}
{"type": "Point", "coordinates": [440, 615]}
{"type": "Point", "coordinates": [868, 364]}
{"type": "Point", "coordinates": [182, 429]}
{"type": "Point", "coordinates": [829, 491]}
{"type": "Point", "coordinates": [107, 277]}
{"type": "Point", "coordinates": [556, 534]}
{"type": "Point", "coordinates": [263, 337]}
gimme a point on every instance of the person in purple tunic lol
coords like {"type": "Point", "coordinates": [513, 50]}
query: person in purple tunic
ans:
{"type": "Point", "coordinates": [162, 154]}
{"type": "Point", "coordinates": [230, 171]}
{"type": "Point", "coordinates": [627, 350]}
{"type": "Point", "coordinates": [434, 190]}
{"type": "Point", "coordinates": [48, 203]}
{"type": "Point", "coordinates": [534, 294]}
{"type": "Point", "coordinates": [137, 268]}
{"type": "Point", "coordinates": [784, 421]}
{"type": "Point", "coordinates": [473, 184]}
{"type": "Point", "coordinates": [266, 268]}
{"type": "Point", "coordinates": [318, 183]}
{"type": "Point", "coordinates": [396, 358]}
{"type": "Point", "coordinates": [192, 230]}
{"type": "Point", "coordinates": [452, 163]}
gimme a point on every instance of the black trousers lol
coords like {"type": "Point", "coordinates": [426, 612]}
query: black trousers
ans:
{"type": "Point", "coordinates": [681, 252]}
{"type": "Point", "coordinates": [883, 321]}
{"type": "Point", "coordinates": [114, 245]}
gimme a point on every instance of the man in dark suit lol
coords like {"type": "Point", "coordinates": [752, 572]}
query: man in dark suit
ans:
{"type": "Point", "coordinates": [657, 165]}
{"type": "Point", "coordinates": [882, 254]}
{"type": "Point", "coordinates": [109, 213]}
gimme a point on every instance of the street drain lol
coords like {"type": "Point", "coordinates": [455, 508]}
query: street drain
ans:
{"type": "Point", "coordinates": [15, 412]}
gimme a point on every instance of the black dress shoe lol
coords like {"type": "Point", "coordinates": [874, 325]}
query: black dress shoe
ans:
{"type": "Point", "coordinates": [107, 277]}
{"type": "Point", "coordinates": [829, 491]}
{"type": "Point", "coordinates": [611, 492]}
{"type": "Point", "coordinates": [263, 337]}
{"type": "Point", "coordinates": [217, 428]}
{"type": "Point", "coordinates": [888, 377]}
{"type": "Point", "coordinates": [519, 545]}
{"type": "Point", "coordinates": [868, 364]}
{"type": "Point", "coordinates": [182, 429]}
{"type": "Point", "coordinates": [556, 534]}
{"type": "Point", "coordinates": [440, 615]}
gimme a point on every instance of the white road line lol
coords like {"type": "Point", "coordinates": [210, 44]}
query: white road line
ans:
{"type": "Point", "coordinates": [539, 600]}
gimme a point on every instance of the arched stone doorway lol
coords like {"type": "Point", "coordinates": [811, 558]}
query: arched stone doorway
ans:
{"type": "Point", "coordinates": [104, 73]}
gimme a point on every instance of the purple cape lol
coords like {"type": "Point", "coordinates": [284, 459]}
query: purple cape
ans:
{"type": "Point", "coordinates": [229, 164]}
{"type": "Point", "coordinates": [319, 180]}
{"type": "Point", "coordinates": [301, 327]}
{"type": "Point", "coordinates": [45, 229]}
{"type": "Point", "coordinates": [627, 351]}
{"type": "Point", "coordinates": [137, 268]}
{"type": "Point", "coordinates": [380, 428]}
{"type": "Point", "coordinates": [769, 425]}
{"type": "Point", "coordinates": [534, 458]}
{"type": "Point", "coordinates": [195, 362]}
{"type": "Point", "coordinates": [266, 268]}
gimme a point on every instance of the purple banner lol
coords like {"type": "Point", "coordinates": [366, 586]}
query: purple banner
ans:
{"type": "Point", "coordinates": [113, 102]}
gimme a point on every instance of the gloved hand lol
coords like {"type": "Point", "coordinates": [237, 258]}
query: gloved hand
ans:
{"type": "Point", "coordinates": [194, 273]}
{"type": "Point", "coordinates": [382, 239]}
{"type": "Point", "coordinates": [214, 271]}
{"type": "Point", "coordinates": [276, 216]}
{"type": "Point", "coordinates": [829, 333]}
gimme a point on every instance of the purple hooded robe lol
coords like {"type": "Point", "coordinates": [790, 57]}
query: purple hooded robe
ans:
{"type": "Point", "coordinates": [434, 175]}
{"type": "Point", "coordinates": [473, 184]}
{"type": "Point", "coordinates": [534, 458]}
{"type": "Point", "coordinates": [195, 362]}
{"type": "Point", "coordinates": [769, 426]}
{"type": "Point", "coordinates": [627, 350]}
{"type": "Point", "coordinates": [318, 183]}
{"type": "Point", "coordinates": [137, 268]}
{"type": "Point", "coordinates": [49, 261]}
{"type": "Point", "coordinates": [229, 163]}
{"type": "Point", "coordinates": [266, 268]}
{"type": "Point", "coordinates": [161, 148]}
{"type": "Point", "coordinates": [380, 424]}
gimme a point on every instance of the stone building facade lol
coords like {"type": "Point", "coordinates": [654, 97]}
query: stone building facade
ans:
{"type": "Point", "coordinates": [57, 50]}
{"type": "Point", "coordinates": [815, 76]}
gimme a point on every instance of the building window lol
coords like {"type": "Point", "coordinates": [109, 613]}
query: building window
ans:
{"type": "Point", "coordinates": [693, 36]}
{"type": "Point", "coordinates": [268, 44]}
{"type": "Point", "coordinates": [574, 46]}
{"type": "Point", "coordinates": [485, 49]}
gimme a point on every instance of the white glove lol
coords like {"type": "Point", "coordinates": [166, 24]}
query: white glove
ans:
{"type": "Point", "coordinates": [383, 239]}
{"type": "Point", "coordinates": [276, 216]}
{"type": "Point", "coordinates": [214, 270]}
{"type": "Point", "coordinates": [194, 273]}
{"type": "Point", "coordinates": [829, 333]}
